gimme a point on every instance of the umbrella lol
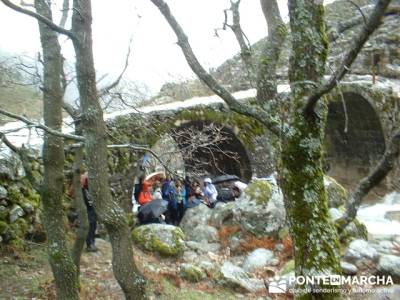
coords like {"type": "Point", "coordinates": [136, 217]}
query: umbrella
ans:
{"type": "Point", "coordinates": [224, 178]}
{"type": "Point", "coordinates": [156, 176]}
{"type": "Point", "coordinates": [152, 210]}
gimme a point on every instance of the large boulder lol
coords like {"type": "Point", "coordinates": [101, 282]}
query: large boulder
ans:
{"type": "Point", "coordinates": [260, 210]}
{"type": "Point", "coordinates": [198, 215]}
{"type": "Point", "coordinates": [202, 233]}
{"type": "Point", "coordinates": [236, 278]}
{"type": "Point", "coordinates": [389, 265]}
{"type": "Point", "coordinates": [337, 194]}
{"type": "Point", "coordinates": [257, 259]}
{"type": "Point", "coordinates": [166, 240]}
{"type": "Point", "coordinates": [361, 253]}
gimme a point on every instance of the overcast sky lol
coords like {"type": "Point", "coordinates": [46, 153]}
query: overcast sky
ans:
{"type": "Point", "coordinates": [155, 56]}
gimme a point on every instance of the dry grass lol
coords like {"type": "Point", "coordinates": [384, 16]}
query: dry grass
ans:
{"type": "Point", "coordinates": [225, 233]}
{"type": "Point", "coordinates": [252, 242]}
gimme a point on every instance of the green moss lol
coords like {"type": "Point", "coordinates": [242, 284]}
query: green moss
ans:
{"type": "Point", "coordinates": [19, 227]}
{"type": "Point", "coordinates": [147, 239]}
{"type": "Point", "coordinates": [3, 227]}
{"type": "Point", "coordinates": [3, 213]}
{"type": "Point", "coordinates": [287, 267]}
{"type": "Point", "coordinates": [14, 195]}
{"type": "Point", "coordinates": [192, 273]}
{"type": "Point", "coordinates": [259, 191]}
{"type": "Point", "coordinates": [17, 244]}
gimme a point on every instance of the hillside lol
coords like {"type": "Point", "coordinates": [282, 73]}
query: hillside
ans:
{"type": "Point", "coordinates": [21, 100]}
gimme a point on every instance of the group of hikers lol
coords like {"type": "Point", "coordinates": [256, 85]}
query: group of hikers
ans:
{"type": "Point", "coordinates": [164, 200]}
{"type": "Point", "coordinates": [177, 195]}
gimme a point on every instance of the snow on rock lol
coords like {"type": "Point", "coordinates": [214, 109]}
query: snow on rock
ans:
{"type": "Point", "coordinates": [257, 259]}
{"type": "Point", "coordinates": [359, 250]}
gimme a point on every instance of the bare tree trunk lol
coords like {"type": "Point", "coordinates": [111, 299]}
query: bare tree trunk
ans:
{"type": "Point", "coordinates": [108, 211]}
{"type": "Point", "coordinates": [64, 270]}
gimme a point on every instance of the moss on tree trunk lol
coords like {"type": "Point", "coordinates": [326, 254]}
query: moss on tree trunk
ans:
{"type": "Point", "coordinates": [316, 243]}
{"type": "Point", "coordinates": [64, 270]}
{"type": "Point", "coordinates": [107, 209]}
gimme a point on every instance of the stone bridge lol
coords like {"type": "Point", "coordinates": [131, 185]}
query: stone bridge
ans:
{"type": "Point", "coordinates": [362, 118]}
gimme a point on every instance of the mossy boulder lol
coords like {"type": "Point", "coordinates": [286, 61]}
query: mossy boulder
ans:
{"type": "Point", "coordinates": [337, 194]}
{"type": "Point", "coordinates": [260, 210]}
{"type": "Point", "coordinates": [166, 240]}
{"type": "Point", "coordinates": [192, 273]}
{"type": "Point", "coordinates": [259, 191]}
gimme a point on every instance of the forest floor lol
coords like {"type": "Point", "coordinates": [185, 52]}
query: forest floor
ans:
{"type": "Point", "coordinates": [28, 275]}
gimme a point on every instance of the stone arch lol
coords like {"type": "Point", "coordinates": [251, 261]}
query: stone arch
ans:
{"type": "Point", "coordinates": [352, 150]}
{"type": "Point", "coordinates": [219, 163]}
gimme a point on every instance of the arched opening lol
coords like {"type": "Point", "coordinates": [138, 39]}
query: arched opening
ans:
{"type": "Point", "coordinates": [204, 149]}
{"type": "Point", "coordinates": [354, 140]}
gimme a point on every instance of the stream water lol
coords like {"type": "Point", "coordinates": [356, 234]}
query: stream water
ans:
{"type": "Point", "coordinates": [382, 218]}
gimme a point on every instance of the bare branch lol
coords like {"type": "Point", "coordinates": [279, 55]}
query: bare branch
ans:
{"type": "Point", "coordinates": [277, 32]}
{"type": "Point", "coordinates": [271, 123]}
{"type": "Point", "coordinates": [41, 126]}
{"type": "Point", "coordinates": [359, 9]}
{"type": "Point", "coordinates": [373, 22]}
{"type": "Point", "coordinates": [40, 18]}
{"type": "Point", "coordinates": [245, 50]}
{"type": "Point", "coordinates": [7, 142]}
{"type": "Point", "coordinates": [23, 3]}
{"type": "Point", "coordinates": [385, 165]}
{"type": "Point", "coordinates": [116, 82]}
{"type": "Point", "coordinates": [64, 15]}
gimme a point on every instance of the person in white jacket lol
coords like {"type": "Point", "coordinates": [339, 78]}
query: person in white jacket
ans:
{"type": "Point", "coordinates": [210, 192]}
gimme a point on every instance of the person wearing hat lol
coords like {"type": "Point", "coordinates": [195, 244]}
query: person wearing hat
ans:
{"type": "Point", "coordinates": [210, 192]}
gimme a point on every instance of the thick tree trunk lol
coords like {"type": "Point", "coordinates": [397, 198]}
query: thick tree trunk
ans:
{"type": "Point", "coordinates": [64, 270]}
{"type": "Point", "coordinates": [316, 245]}
{"type": "Point", "coordinates": [108, 211]}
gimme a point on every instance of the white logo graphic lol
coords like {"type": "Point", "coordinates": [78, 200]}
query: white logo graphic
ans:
{"type": "Point", "coordinates": [277, 286]}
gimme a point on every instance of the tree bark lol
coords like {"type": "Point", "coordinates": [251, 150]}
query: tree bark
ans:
{"type": "Point", "coordinates": [64, 270]}
{"type": "Point", "coordinates": [267, 67]}
{"type": "Point", "coordinates": [108, 211]}
{"type": "Point", "coordinates": [316, 243]}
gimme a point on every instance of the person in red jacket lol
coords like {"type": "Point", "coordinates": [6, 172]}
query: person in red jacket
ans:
{"type": "Point", "coordinates": [145, 193]}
